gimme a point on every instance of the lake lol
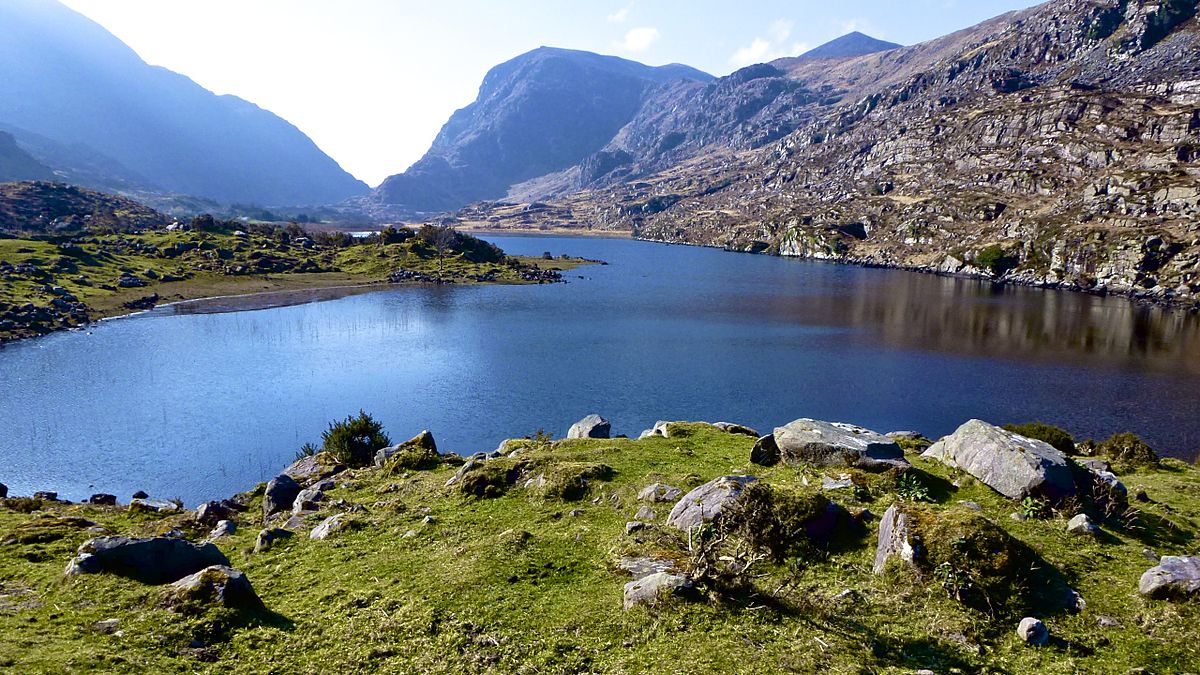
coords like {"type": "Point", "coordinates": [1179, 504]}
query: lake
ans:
{"type": "Point", "coordinates": [200, 406]}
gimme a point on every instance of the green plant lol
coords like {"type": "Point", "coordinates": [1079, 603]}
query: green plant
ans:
{"type": "Point", "coordinates": [1058, 438]}
{"type": "Point", "coordinates": [307, 450]}
{"type": "Point", "coordinates": [355, 440]}
{"type": "Point", "coordinates": [1128, 451]}
{"type": "Point", "coordinates": [995, 260]}
{"type": "Point", "coordinates": [1033, 507]}
{"type": "Point", "coordinates": [774, 519]}
{"type": "Point", "coordinates": [909, 487]}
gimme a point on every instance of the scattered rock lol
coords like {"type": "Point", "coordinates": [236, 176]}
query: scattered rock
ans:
{"type": "Point", "coordinates": [1013, 465]}
{"type": "Point", "coordinates": [1082, 525]}
{"type": "Point", "coordinates": [224, 528]}
{"type": "Point", "coordinates": [421, 442]}
{"type": "Point", "coordinates": [650, 589]}
{"type": "Point", "coordinates": [329, 526]}
{"type": "Point", "coordinates": [312, 468]}
{"type": "Point", "coordinates": [634, 526]}
{"type": "Point", "coordinates": [155, 505]}
{"type": "Point", "coordinates": [280, 494]}
{"type": "Point", "coordinates": [211, 513]}
{"type": "Point", "coordinates": [1175, 577]}
{"type": "Point", "coordinates": [107, 626]}
{"type": "Point", "coordinates": [99, 499]}
{"type": "Point", "coordinates": [765, 451]}
{"type": "Point", "coordinates": [645, 514]}
{"type": "Point", "coordinates": [842, 482]}
{"type": "Point", "coordinates": [817, 443]}
{"type": "Point", "coordinates": [310, 498]}
{"type": "Point", "coordinates": [707, 501]}
{"type": "Point", "coordinates": [463, 470]}
{"type": "Point", "coordinates": [974, 506]}
{"type": "Point", "coordinates": [659, 492]}
{"type": "Point", "coordinates": [739, 429]}
{"type": "Point", "coordinates": [267, 538]}
{"type": "Point", "coordinates": [1032, 631]}
{"type": "Point", "coordinates": [140, 494]}
{"type": "Point", "coordinates": [156, 560]}
{"type": "Point", "coordinates": [641, 568]}
{"type": "Point", "coordinates": [218, 585]}
{"type": "Point", "coordinates": [575, 513]}
{"type": "Point", "coordinates": [46, 496]}
{"type": "Point", "coordinates": [894, 539]}
{"type": "Point", "coordinates": [1151, 555]}
{"type": "Point", "coordinates": [592, 426]}
{"type": "Point", "coordinates": [1105, 621]}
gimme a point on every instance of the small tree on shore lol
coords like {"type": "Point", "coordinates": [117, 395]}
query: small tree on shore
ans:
{"type": "Point", "coordinates": [355, 440]}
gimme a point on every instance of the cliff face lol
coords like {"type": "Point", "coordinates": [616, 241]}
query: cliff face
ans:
{"type": "Point", "coordinates": [1059, 145]}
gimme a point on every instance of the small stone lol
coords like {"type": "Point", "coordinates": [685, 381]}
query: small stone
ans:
{"type": "Point", "coordinates": [634, 526]}
{"type": "Point", "coordinates": [107, 626]}
{"type": "Point", "coordinates": [224, 528]}
{"type": "Point", "coordinates": [1150, 555]}
{"type": "Point", "coordinates": [1082, 525]}
{"type": "Point", "coordinates": [575, 513]}
{"type": "Point", "coordinates": [659, 492]}
{"type": "Point", "coordinates": [974, 506]}
{"type": "Point", "coordinates": [1033, 631]}
{"type": "Point", "coordinates": [649, 590]}
{"type": "Point", "coordinates": [1105, 621]}
{"type": "Point", "coordinates": [428, 520]}
{"type": "Point", "coordinates": [842, 482]}
{"type": "Point", "coordinates": [330, 526]}
{"type": "Point", "coordinates": [267, 538]}
{"type": "Point", "coordinates": [645, 514]}
{"type": "Point", "coordinates": [1017, 516]}
{"type": "Point", "coordinates": [409, 534]}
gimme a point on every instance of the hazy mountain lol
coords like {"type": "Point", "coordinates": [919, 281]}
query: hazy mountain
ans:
{"type": "Point", "coordinates": [541, 112]}
{"type": "Point", "coordinates": [16, 164]}
{"type": "Point", "coordinates": [67, 80]}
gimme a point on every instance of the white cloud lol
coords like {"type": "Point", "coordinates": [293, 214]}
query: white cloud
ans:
{"type": "Point", "coordinates": [619, 16]}
{"type": "Point", "coordinates": [639, 40]}
{"type": "Point", "coordinates": [769, 47]}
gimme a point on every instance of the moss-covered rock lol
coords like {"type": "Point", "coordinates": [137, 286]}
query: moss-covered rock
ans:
{"type": "Point", "coordinates": [781, 521]}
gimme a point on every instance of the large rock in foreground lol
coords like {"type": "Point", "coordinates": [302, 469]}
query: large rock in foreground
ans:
{"type": "Point", "coordinates": [1011, 464]}
{"type": "Point", "coordinates": [592, 426]}
{"type": "Point", "coordinates": [156, 560]}
{"type": "Point", "coordinates": [837, 444]}
{"type": "Point", "coordinates": [707, 501]}
{"type": "Point", "coordinates": [218, 585]}
{"type": "Point", "coordinates": [1173, 577]}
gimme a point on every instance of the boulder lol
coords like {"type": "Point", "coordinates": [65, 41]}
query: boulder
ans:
{"type": "Point", "coordinates": [650, 589]}
{"type": "Point", "coordinates": [817, 443]}
{"type": "Point", "coordinates": [765, 451]}
{"type": "Point", "coordinates": [211, 513]}
{"type": "Point", "coordinates": [645, 514]}
{"type": "Point", "coordinates": [842, 482]}
{"type": "Point", "coordinates": [46, 495]}
{"type": "Point", "coordinates": [642, 567]}
{"type": "Point", "coordinates": [1082, 525]}
{"type": "Point", "coordinates": [310, 498]}
{"type": "Point", "coordinates": [218, 585]}
{"type": "Point", "coordinates": [312, 468]}
{"type": "Point", "coordinates": [223, 529]}
{"type": "Point", "coordinates": [3, 491]}
{"type": "Point", "coordinates": [739, 429]}
{"type": "Point", "coordinates": [1111, 486]}
{"type": "Point", "coordinates": [156, 560]}
{"type": "Point", "coordinates": [280, 494]}
{"type": "Point", "coordinates": [1173, 577]}
{"type": "Point", "coordinates": [155, 505]}
{"type": "Point", "coordinates": [1013, 465]}
{"type": "Point", "coordinates": [659, 429]}
{"type": "Point", "coordinates": [422, 441]}
{"type": "Point", "coordinates": [592, 426]}
{"type": "Point", "coordinates": [463, 470]}
{"type": "Point", "coordinates": [895, 539]}
{"type": "Point", "coordinates": [140, 494]}
{"type": "Point", "coordinates": [707, 501]}
{"type": "Point", "coordinates": [1033, 632]}
{"type": "Point", "coordinates": [267, 538]}
{"type": "Point", "coordinates": [100, 499]}
{"type": "Point", "coordinates": [659, 492]}
{"type": "Point", "coordinates": [330, 526]}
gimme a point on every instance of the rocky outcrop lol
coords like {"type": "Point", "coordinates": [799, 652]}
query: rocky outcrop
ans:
{"type": "Point", "coordinates": [156, 560]}
{"type": "Point", "coordinates": [592, 426]}
{"type": "Point", "coordinates": [1015, 466]}
{"type": "Point", "coordinates": [422, 441]}
{"type": "Point", "coordinates": [707, 502]}
{"type": "Point", "coordinates": [659, 492]}
{"type": "Point", "coordinates": [216, 586]}
{"type": "Point", "coordinates": [313, 468]}
{"type": "Point", "coordinates": [279, 495]}
{"type": "Point", "coordinates": [1175, 577]}
{"type": "Point", "coordinates": [836, 444]}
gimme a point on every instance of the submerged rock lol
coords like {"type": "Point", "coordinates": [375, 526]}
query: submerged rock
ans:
{"type": "Point", "coordinates": [1013, 465]}
{"type": "Point", "coordinates": [155, 560]}
{"type": "Point", "coordinates": [649, 590]}
{"type": "Point", "coordinates": [707, 501]}
{"type": "Point", "coordinates": [1174, 577]}
{"type": "Point", "coordinates": [837, 444]}
{"type": "Point", "coordinates": [592, 426]}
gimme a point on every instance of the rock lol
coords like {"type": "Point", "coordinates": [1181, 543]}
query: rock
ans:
{"type": "Point", "coordinates": [659, 492]}
{"type": "Point", "coordinates": [576, 513]}
{"type": "Point", "coordinates": [1082, 525]}
{"type": "Point", "coordinates": [842, 482]}
{"type": "Point", "coordinates": [312, 468]}
{"type": "Point", "coordinates": [155, 505]}
{"type": "Point", "coordinates": [765, 451]}
{"type": "Point", "coordinates": [46, 496]}
{"type": "Point", "coordinates": [223, 529]}
{"type": "Point", "coordinates": [219, 585]}
{"type": "Point", "coordinates": [463, 470]}
{"type": "Point", "coordinates": [107, 626]}
{"type": "Point", "coordinates": [1175, 577]}
{"type": "Point", "coordinates": [140, 494]}
{"type": "Point", "coordinates": [641, 568]}
{"type": "Point", "coordinates": [1114, 489]}
{"type": "Point", "coordinates": [1013, 465]}
{"type": "Point", "coordinates": [1096, 465]}
{"type": "Point", "coordinates": [268, 537]}
{"type": "Point", "coordinates": [422, 441]}
{"type": "Point", "coordinates": [428, 520]}
{"type": "Point", "coordinates": [1151, 555]}
{"type": "Point", "coordinates": [707, 501]}
{"type": "Point", "coordinates": [645, 514]}
{"type": "Point", "coordinates": [592, 426]}
{"type": "Point", "coordinates": [3, 491]}
{"type": "Point", "coordinates": [816, 443]}
{"type": "Point", "coordinates": [280, 494]}
{"type": "Point", "coordinates": [156, 560]}
{"type": "Point", "coordinates": [894, 539]}
{"type": "Point", "coordinates": [329, 526]}
{"type": "Point", "coordinates": [739, 429]}
{"type": "Point", "coordinates": [1105, 621]}
{"type": "Point", "coordinates": [211, 513]}
{"type": "Point", "coordinates": [310, 498]}
{"type": "Point", "coordinates": [974, 506]}
{"type": "Point", "coordinates": [660, 428]}
{"type": "Point", "coordinates": [634, 526]}
{"type": "Point", "coordinates": [99, 499]}
{"type": "Point", "coordinates": [1032, 631]}
{"type": "Point", "coordinates": [650, 589]}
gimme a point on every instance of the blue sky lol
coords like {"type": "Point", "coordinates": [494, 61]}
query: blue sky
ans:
{"type": "Point", "coordinates": [372, 81]}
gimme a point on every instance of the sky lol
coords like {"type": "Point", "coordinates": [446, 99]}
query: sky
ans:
{"type": "Point", "coordinates": [372, 81]}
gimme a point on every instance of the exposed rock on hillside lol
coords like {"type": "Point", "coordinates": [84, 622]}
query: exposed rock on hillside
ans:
{"type": "Point", "coordinates": [54, 208]}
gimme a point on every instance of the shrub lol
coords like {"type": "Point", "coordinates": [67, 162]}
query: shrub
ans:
{"type": "Point", "coordinates": [909, 487]}
{"type": "Point", "coordinates": [1058, 438]}
{"type": "Point", "coordinates": [775, 520]}
{"type": "Point", "coordinates": [1128, 451]}
{"type": "Point", "coordinates": [392, 235]}
{"type": "Point", "coordinates": [995, 260]}
{"type": "Point", "coordinates": [307, 450]}
{"type": "Point", "coordinates": [355, 440]}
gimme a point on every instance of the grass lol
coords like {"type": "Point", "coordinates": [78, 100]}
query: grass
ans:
{"type": "Point", "coordinates": [517, 584]}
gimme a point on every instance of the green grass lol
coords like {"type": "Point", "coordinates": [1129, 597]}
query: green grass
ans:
{"type": "Point", "coordinates": [516, 584]}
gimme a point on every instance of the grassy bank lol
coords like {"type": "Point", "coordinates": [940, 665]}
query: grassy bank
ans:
{"type": "Point", "coordinates": [526, 579]}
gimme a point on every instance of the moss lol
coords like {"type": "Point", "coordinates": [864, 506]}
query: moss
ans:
{"type": "Point", "coordinates": [412, 457]}
{"type": "Point", "coordinates": [491, 479]}
{"type": "Point", "coordinates": [778, 520]}
{"type": "Point", "coordinates": [570, 481]}
{"type": "Point", "coordinates": [1058, 438]}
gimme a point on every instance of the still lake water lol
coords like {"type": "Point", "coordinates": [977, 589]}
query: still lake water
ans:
{"type": "Point", "coordinates": [201, 406]}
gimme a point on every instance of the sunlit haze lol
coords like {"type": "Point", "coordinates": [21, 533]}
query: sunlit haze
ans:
{"type": "Point", "coordinates": [372, 81]}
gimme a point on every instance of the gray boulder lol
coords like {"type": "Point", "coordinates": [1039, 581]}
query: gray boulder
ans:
{"type": "Point", "coordinates": [219, 585]}
{"type": "Point", "coordinates": [659, 429]}
{"type": "Point", "coordinates": [211, 513]}
{"type": "Point", "coordinates": [156, 560]}
{"type": "Point", "coordinates": [469, 466]}
{"type": "Point", "coordinates": [1082, 525]}
{"type": "Point", "coordinates": [659, 492]}
{"type": "Point", "coordinates": [280, 494]}
{"type": "Point", "coordinates": [765, 451]}
{"type": "Point", "coordinates": [651, 589]}
{"type": "Point", "coordinates": [1013, 465]}
{"type": "Point", "coordinates": [1175, 577]}
{"type": "Point", "coordinates": [816, 443]}
{"type": "Point", "coordinates": [707, 501]}
{"type": "Point", "coordinates": [1033, 632]}
{"type": "Point", "coordinates": [739, 429]}
{"type": "Point", "coordinates": [422, 441]}
{"type": "Point", "coordinates": [224, 528]}
{"type": "Point", "coordinates": [98, 499]}
{"type": "Point", "coordinates": [310, 498]}
{"type": "Point", "coordinates": [155, 505]}
{"type": "Point", "coordinates": [313, 468]}
{"type": "Point", "coordinates": [3, 491]}
{"type": "Point", "coordinates": [267, 538]}
{"type": "Point", "coordinates": [330, 526]}
{"type": "Point", "coordinates": [645, 514]}
{"type": "Point", "coordinates": [592, 426]}
{"type": "Point", "coordinates": [895, 539]}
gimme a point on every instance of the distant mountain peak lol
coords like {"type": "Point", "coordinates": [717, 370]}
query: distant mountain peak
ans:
{"type": "Point", "coordinates": [849, 45]}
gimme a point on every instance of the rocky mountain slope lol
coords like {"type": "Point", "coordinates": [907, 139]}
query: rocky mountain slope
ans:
{"type": "Point", "coordinates": [16, 164]}
{"type": "Point", "coordinates": [850, 44]}
{"type": "Point", "coordinates": [1058, 145]}
{"type": "Point", "coordinates": [541, 112]}
{"type": "Point", "coordinates": [41, 208]}
{"type": "Point", "coordinates": [77, 98]}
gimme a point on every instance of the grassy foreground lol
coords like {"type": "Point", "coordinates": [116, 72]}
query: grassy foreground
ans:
{"type": "Point", "coordinates": [526, 580]}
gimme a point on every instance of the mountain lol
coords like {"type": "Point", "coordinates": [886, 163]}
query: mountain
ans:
{"type": "Point", "coordinates": [851, 44]}
{"type": "Point", "coordinates": [541, 112]}
{"type": "Point", "coordinates": [66, 80]}
{"type": "Point", "coordinates": [1055, 146]}
{"type": "Point", "coordinates": [40, 208]}
{"type": "Point", "coordinates": [16, 164]}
